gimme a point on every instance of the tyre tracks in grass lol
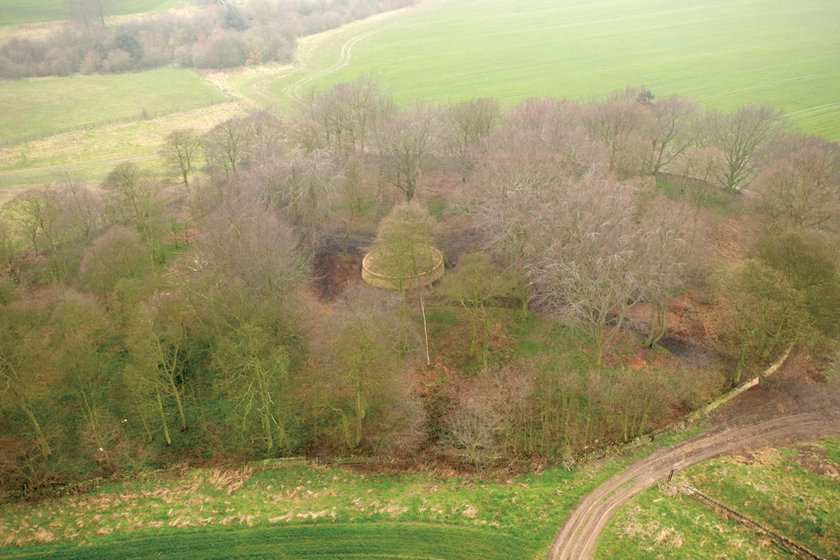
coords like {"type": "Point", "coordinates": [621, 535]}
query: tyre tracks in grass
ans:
{"type": "Point", "coordinates": [294, 90]}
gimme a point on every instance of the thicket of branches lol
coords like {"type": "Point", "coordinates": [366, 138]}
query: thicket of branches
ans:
{"type": "Point", "coordinates": [149, 320]}
{"type": "Point", "coordinates": [213, 35]}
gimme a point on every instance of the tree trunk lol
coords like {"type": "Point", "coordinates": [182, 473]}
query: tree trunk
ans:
{"type": "Point", "coordinates": [40, 440]}
{"type": "Point", "coordinates": [164, 424]}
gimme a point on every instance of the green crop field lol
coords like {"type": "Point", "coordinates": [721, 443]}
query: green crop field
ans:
{"type": "Point", "coordinates": [723, 54]}
{"type": "Point", "coordinates": [792, 491]}
{"type": "Point", "coordinates": [15, 12]}
{"type": "Point", "coordinates": [375, 541]}
{"type": "Point", "coordinates": [41, 107]}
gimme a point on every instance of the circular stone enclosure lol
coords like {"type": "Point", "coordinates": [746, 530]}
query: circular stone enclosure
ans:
{"type": "Point", "coordinates": [377, 269]}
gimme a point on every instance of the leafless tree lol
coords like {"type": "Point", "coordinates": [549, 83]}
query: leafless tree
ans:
{"type": "Point", "coordinates": [134, 199]}
{"type": "Point", "coordinates": [586, 264]}
{"type": "Point", "coordinates": [673, 131]}
{"type": "Point", "coordinates": [350, 112]}
{"type": "Point", "coordinates": [740, 136]}
{"type": "Point", "coordinates": [299, 186]}
{"type": "Point", "coordinates": [669, 238]}
{"type": "Point", "coordinates": [225, 146]}
{"type": "Point", "coordinates": [180, 150]}
{"type": "Point", "coordinates": [464, 125]}
{"type": "Point", "coordinates": [802, 189]}
{"type": "Point", "coordinates": [245, 242]}
{"type": "Point", "coordinates": [627, 129]}
{"type": "Point", "coordinates": [405, 143]}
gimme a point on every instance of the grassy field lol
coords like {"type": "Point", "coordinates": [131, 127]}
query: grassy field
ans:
{"type": "Point", "coordinates": [16, 12]}
{"type": "Point", "coordinates": [724, 54]}
{"type": "Point", "coordinates": [89, 153]}
{"type": "Point", "coordinates": [37, 108]}
{"type": "Point", "coordinates": [322, 511]}
{"type": "Point", "coordinates": [793, 491]}
{"type": "Point", "coordinates": [374, 541]}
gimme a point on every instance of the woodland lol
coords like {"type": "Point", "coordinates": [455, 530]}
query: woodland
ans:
{"type": "Point", "coordinates": [611, 266]}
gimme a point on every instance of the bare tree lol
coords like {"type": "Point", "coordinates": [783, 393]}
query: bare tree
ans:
{"type": "Point", "coordinates": [350, 112]}
{"type": "Point", "coordinates": [673, 131]}
{"type": "Point", "coordinates": [465, 124]}
{"type": "Point", "coordinates": [405, 143]}
{"type": "Point", "coordinates": [135, 199]}
{"type": "Point", "coordinates": [248, 244]}
{"type": "Point", "coordinates": [802, 189]}
{"type": "Point", "coordinates": [626, 127]}
{"type": "Point", "coordinates": [87, 12]}
{"type": "Point", "coordinates": [740, 136]}
{"type": "Point", "coordinates": [180, 150]}
{"type": "Point", "coordinates": [586, 268]}
{"type": "Point", "coordinates": [299, 187]}
{"type": "Point", "coordinates": [225, 147]}
{"type": "Point", "coordinates": [669, 239]}
{"type": "Point", "coordinates": [525, 164]}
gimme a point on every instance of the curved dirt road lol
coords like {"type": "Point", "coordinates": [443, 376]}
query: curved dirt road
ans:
{"type": "Point", "coordinates": [578, 537]}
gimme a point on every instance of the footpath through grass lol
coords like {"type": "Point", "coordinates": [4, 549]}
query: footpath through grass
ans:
{"type": "Point", "coordinates": [794, 492]}
{"type": "Point", "coordinates": [321, 511]}
{"type": "Point", "coordinates": [723, 54]}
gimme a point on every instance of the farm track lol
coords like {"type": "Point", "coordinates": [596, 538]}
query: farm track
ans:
{"type": "Point", "coordinates": [578, 537]}
{"type": "Point", "coordinates": [293, 91]}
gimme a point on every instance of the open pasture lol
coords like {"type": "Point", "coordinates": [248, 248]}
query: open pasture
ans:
{"type": "Point", "coordinates": [16, 12]}
{"type": "Point", "coordinates": [723, 54]}
{"type": "Point", "coordinates": [48, 106]}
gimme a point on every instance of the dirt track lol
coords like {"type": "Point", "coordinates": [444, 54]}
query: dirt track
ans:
{"type": "Point", "coordinates": [578, 537]}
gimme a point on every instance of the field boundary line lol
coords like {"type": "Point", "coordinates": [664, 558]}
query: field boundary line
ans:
{"type": "Point", "coordinates": [781, 540]}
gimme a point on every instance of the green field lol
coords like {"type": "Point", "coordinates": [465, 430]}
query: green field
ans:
{"type": "Point", "coordinates": [16, 12]}
{"type": "Point", "coordinates": [723, 54]}
{"type": "Point", "coordinates": [89, 153]}
{"type": "Point", "coordinates": [37, 108]}
{"type": "Point", "coordinates": [372, 541]}
{"type": "Point", "coordinates": [792, 491]}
